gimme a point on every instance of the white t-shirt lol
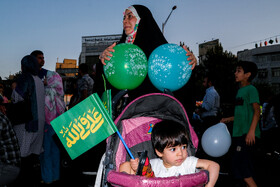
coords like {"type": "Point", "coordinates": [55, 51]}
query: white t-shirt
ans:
{"type": "Point", "coordinates": [187, 167]}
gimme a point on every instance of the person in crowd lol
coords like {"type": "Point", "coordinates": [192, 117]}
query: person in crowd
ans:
{"type": "Point", "coordinates": [2, 106]}
{"type": "Point", "coordinates": [93, 76]}
{"type": "Point", "coordinates": [246, 131]}
{"type": "Point", "coordinates": [14, 84]}
{"type": "Point", "coordinates": [277, 109]}
{"type": "Point", "coordinates": [3, 99]}
{"type": "Point", "coordinates": [9, 151]}
{"type": "Point", "coordinates": [30, 135]}
{"type": "Point", "coordinates": [84, 84]}
{"type": "Point", "coordinates": [74, 97]}
{"type": "Point", "coordinates": [54, 106]}
{"type": "Point", "coordinates": [269, 125]}
{"type": "Point", "coordinates": [139, 28]}
{"type": "Point", "coordinates": [268, 117]}
{"type": "Point", "coordinates": [39, 55]}
{"type": "Point", "coordinates": [211, 103]}
{"type": "Point", "coordinates": [170, 141]}
{"type": "Point", "coordinates": [2, 93]}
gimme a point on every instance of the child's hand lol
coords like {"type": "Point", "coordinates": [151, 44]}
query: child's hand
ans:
{"type": "Point", "coordinates": [227, 120]}
{"type": "Point", "coordinates": [134, 164]}
{"type": "Point", "coordinates": [224, 120]}
{"type": "Point", "coordinates": [250, 138]}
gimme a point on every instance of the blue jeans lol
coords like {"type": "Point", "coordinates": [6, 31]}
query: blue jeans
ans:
{"type": "Point", "coordinates": [50, 158]}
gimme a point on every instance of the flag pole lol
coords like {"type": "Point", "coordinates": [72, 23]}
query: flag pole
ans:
{"type": "Point", "coordinates": [129, 152]}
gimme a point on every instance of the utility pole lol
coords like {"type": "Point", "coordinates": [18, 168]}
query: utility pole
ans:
{"type": "Point", "coordinates": [163, 24]}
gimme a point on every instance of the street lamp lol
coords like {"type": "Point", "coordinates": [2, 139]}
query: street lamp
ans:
{"type": "Point", "coordinates": [163, 24]}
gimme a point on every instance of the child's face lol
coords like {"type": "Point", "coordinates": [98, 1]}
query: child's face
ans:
{"type": "Point", "coordinates": [240, 75]}
{"type": "Point", "coordinates": [173, 156]}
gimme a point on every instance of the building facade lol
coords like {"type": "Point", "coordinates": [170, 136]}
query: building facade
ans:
{"type": "Point", "coordinates": [203, 48]}
{"type": "Point", "coordinates": [92, 46]}
{"type": "Point", "coordinates": [68, 68]}
{"type": "Point", "coordinates": [267, 59]}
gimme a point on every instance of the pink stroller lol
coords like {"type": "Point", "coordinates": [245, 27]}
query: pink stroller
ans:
{"type": "Point", "coordinates": [135, 125]}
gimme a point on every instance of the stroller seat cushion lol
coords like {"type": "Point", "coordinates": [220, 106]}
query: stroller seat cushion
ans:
{"type": "Point", "coordinates": [126, 180]}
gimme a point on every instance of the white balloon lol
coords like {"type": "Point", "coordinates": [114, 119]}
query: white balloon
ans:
{"type": "Point", "coordinates": [216, 140]}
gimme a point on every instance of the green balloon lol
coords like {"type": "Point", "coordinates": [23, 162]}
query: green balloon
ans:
{"type": "Point", "coordinates": [127, 68]}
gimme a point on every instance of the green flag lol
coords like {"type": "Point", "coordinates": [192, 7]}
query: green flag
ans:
{"type": "Point", "coordinates": [107, 101]}
{"type": "Point", "coordinates": [84, 126]}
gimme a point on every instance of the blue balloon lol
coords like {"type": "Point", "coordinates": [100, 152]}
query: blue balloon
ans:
{"type": "Point", "coordinates": [168, 67]}
{"type": "Point", "coordinates": [216, 140]}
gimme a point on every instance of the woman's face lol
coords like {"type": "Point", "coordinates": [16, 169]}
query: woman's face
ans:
{"type": "Point", "coordinates": [129, 21]}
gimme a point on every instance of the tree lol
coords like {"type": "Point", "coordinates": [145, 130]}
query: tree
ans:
{"type": "Point", "coordinates": [265, 91]}
{"type": "Point", "coordinates": [221, 64]}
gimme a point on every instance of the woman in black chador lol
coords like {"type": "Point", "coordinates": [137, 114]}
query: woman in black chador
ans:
{"type": "Point", "coordinates": [140, 28]}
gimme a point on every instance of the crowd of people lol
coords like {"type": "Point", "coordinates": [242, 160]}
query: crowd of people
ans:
{"type": "Point", "coordinates": [29, 154]}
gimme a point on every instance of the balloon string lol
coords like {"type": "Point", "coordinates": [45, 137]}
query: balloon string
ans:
{"type": "Point", "coordinates": [104, 80]}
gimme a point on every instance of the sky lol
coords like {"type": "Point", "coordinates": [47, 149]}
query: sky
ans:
{"type": "Point", "coordinates": [56, 26]}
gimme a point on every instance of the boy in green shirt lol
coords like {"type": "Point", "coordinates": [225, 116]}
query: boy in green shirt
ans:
{"type": "Point", "coordinates": [246, 131]}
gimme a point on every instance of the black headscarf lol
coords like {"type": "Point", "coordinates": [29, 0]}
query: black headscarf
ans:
{"type": "Point", "coordinates": [148, 36]}
{"type": "Point", "coordinates": [26, 88]}
{"type": "Point", "coordinates": [29, 67]}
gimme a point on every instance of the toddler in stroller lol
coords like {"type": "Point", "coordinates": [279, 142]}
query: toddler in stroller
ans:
{"type": "Point", "coordinates": [170, 141]}
{"type": "Point", "coordinates": [135, 125]}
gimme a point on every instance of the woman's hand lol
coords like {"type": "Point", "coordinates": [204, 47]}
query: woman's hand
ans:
{"type": "Point", "coordinates": [191, 57]}
{"type": "Point", "coordinates": [106, 54]}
